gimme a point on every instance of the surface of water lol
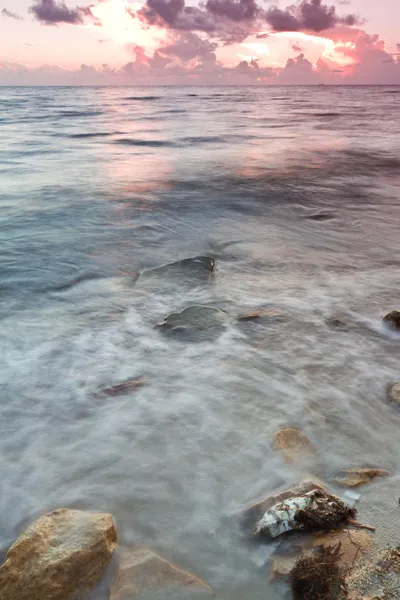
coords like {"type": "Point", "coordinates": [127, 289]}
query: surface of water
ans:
{"type": "Point", "coordinates": [295, 192]}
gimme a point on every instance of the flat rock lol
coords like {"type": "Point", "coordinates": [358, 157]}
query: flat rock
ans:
{"type": "Point", "coordinates": [141, 570]}
{"type": "Point", "coordinates": [63, 554]}
{"type": "Point", "coordinates": [273, 315]}
{"type": "Point", "coordinates": [357, 477]}
{"type": "Point", "coordinates": [354, 544]}
{"type": "Point", "coordinates": [195, 318]}
{"type": "Point", "coordinates": [188, 270]}
{"type": "Point", "coordinates": [393, 319]}
{"type": "Point", "coordinates": [124, 387]}
{"type": "Point", "coordinates": [293, 444]}
{"type": "Point", "coordinates": [393, 393]}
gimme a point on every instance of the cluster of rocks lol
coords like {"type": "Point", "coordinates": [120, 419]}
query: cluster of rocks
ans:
{"type": "Point", "coordinates": [65, 553]}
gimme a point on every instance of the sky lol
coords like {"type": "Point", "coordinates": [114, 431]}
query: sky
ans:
{"type": "Point", "coordinates": [199, 42]}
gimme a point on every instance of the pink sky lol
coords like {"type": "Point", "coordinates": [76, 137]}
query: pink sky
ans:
{"type": "Point", "coordinates": [123, 42]}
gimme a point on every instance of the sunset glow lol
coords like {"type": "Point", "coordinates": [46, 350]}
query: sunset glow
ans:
{"type": "Point", "coordinates": [160, 41]}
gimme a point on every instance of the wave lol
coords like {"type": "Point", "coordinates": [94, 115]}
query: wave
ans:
{"type": "Point", "coordinates": [144, 98]}
{"type": "Point", "coordinates": [145, 143]}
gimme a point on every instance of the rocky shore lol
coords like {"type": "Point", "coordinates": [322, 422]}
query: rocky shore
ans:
{"type": "Point", "coordinates": [325, 550]}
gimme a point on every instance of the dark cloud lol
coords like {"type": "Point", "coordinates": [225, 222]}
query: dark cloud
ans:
{"type": "Point", "coordinates": [51, 12]}
{"type": "Point", "coordinates": [187, 46]}
{"type": "Point", "coordinates": [309, 15]}
{"type": "Point", "coordinates": [296, 47]}
{"type": "Point", "coordinates": [11, 15]}
{"type": "Point", "coordinates": [236, 10]}
{"type": "Point", "coordinates": [174, 14]}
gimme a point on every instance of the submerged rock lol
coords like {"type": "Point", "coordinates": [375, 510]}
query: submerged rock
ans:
{"type": "Point", "coordinates": [316, 510]}
{"type": "Point", "coordinates": [142, 570]}
{"type": "Point", "coordinates": [61, 555]}
{"type": "Point", "coordinates": [393, 319]}
{"type": "Point", "coordinates": [196, 317]}
{"type": "Point", "coordinates": [357, 477]}
{"type": "Point", "coordinates": [190, 270]}
{"type": "Point", "coordinates": [264, 315]}
{"type": "Point", "coordinates": [124, 387]}
{"type": "Point", "coordinates": [293, 444]}
{"type": "Point", "coordinates": [393, 393]}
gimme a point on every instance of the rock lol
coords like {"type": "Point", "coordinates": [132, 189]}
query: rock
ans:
{"type": "Point", "coordinates": [282, 565]}
{"type": "Point", "coordinates": [264, 315]}
{"type": "Point", "coordinates": [393, 393]}
{"type": "Point", "coordinates": [142, 570]}
{"type": "Point", "coordinates": [124, 388]}
{"type": "Point", "coordinates": [63, 554]}
{"type": "Point", "coordinates": [293, 444]}
{"type": "Point", "coordinates": [357, 477]}
{"type": "Point", "coordinates": [354, 545]}
{"type": "Point", "coordinates": [195, 318]}
{"type": "Point", "coordinates": [189, 270]}
{"type": "Point", "coordinates": [393, 319]}
{"type": "Point", "coordinates": [316, 510]}
{"type": "Point", "coordinates": [340, 323]}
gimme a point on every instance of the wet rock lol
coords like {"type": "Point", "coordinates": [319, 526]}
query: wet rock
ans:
{"type": "Point", "coordinates": [142, 570]}
{"type": "Point", "coordinates": [316, 510]}
{"type": "Point", "coordinates": [340, 323]}
{"type": "Point", "coordinates": [393, 320]}
{"type": "Point", "coordinates": [273, 315]}
{"type": "Point", "coordinates": [354, 545]}
{"type": "Point", "coordinates": [357, 477]}
{"type": "Point", "coordinates": [188, 270]}
{"type": "Point", "coordinates": [393, 393]}
{"type": "Point", "coordinates": [195, 318]}
{"type": "Point", "coordinates": [282, 565]}
{"type": "Point", "coordinates": [124, 388]}
{"type": "Point", "coordinates": [293, 444]}
{"type": "Point", "coordinates": [61, 555]}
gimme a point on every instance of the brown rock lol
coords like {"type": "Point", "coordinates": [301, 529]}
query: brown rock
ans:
{"type": "Point", "coordinates": [264, 314]}
{"type": "Point", "coordinates": [293, 444]}
{"type": "Point", "coordinates": [357, 477]}
{"type": "Point", "coordinates": [62, 554]}
{"type": "Point", "coordinates": [125, 387]}
{"type": "Point", "coordinates": [142, 570]}
{"type": "Point", "coordinates": [393, 319]}
{"type": "Point", "coordinates": [393, 393]}
{"type": "Point", "coordinates": [354, 545]}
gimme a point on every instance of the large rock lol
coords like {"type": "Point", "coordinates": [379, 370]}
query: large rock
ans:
{"type": "Point", "coordinates": [293, 444]}
{"type": "Point", "coordinates": [61, 555]}
{"type": "Point", "coordinates": [393, 319]}
{"type": "Point", "coordinates": [142, 570]}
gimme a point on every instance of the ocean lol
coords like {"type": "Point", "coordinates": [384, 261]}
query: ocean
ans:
{"type": "Point", "coordinates": [294, 191]}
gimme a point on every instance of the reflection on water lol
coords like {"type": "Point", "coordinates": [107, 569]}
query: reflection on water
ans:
{"type": "Point", "coordinates": [295, 194]}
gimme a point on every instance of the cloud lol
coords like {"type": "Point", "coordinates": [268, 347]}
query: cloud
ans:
{"type": "Point", "coordinates": [11, 15]}
{"type": "Point", "coordinates": [174, 14]}
{"type": "Point", "coordinates": [51, 12]}
{"type": "Point", "coordinates": [309, 15]}
{"type": "Point", "coordinates": [236, 10]}
{"type": "Point", "coordinates": [296, 47]}
{"type": "Point", "coordinates": [187, 46]}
